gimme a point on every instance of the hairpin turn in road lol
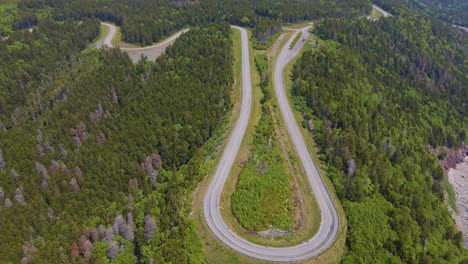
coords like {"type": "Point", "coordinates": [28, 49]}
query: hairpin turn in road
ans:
{"type": "Point", "coordinates": [330, 222]}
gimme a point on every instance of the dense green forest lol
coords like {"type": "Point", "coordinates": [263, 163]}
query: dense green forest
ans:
{"type": "Point", "coordinates": [377, 94]}
{"type": "Point", "coordinates": [99, 157]}
{"type": "Point", "coordinates": [451, 11]}
{"type": "Point", "coordinates": [107, 173]}
{"type": "Point", "coordinates": [31, 61]}
{"type": "Point", "coordinates": [147, 21]}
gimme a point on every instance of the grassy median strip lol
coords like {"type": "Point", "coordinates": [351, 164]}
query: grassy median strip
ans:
{"type": "Point", "coordinates": [295, 40]}
{"type": "Point", "coordinates": [263, 198]}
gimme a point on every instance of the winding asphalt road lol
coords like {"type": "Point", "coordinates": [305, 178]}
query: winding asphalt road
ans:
{"type": "Point", "coordinates": [151, 52]}
{"type": "Point", "coordinates": [107, 41]}
{"type": "Point", "coordinates": [113, 30]}
{"type": "Point", "coordinates": [329, 224]}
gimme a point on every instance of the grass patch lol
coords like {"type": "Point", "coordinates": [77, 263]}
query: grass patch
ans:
{"type": "Point", "coordinates": [263, 198]}
{"type": "Point", "coordinates": [375, 14]}
{"type": "Point", "coordinates": [296, 39]}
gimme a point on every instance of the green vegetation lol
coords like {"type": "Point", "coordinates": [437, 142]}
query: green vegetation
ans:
{"type": "Point", "coordinates": [99, 157]}
{"type": "Point", "coordinates": [451, 11]}
{"type": "Point", "coordinates": [375, 100]}
{"type": "Point", "coordinates": [296, 39]}
{"type": "Point", "coordinates": [112, 159]}
{"type": "Point", "coordinates": [337, 250]}
{"type": "Point", "coordinates": [148, 21]}
{"type": "Point", "coordinates": [7, 14]}
{"type": "Point", "coordinates": [266, 44]}
{"type": "Point", "coordinates": [31, 58]}
{"type": "Point", "coordinates": [103, 31]}
{"type": "Point", "coordinates": [303, 198]}
{"type": "Point", "coordinates": [263, 196]}
{"type": "Point", "coordinates": [451, 197]}
{"type": "Point", "coordinates": [375, 14]}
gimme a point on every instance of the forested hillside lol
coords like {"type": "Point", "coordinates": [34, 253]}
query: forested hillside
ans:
{"type": "Point", "coordinates": [107, 173]}
{"type": "Point", "coordinates": [32, 61]}
{"type": "Point", "coordinates": [377, 94]}
{"type": "Point", "coordinates": [99, 157]}
{"type": "Point", "coordinates": [451, 11]}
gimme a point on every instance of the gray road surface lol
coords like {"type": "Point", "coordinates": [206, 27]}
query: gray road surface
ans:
{"type": "Point", "coordinates": [329, 224]}
{"type": "Point", "coordinates": [384, 13]}
{"type": "Point", "coordinates": [151, 52]}
{"type": "Point", "coordinates": [107, 41]}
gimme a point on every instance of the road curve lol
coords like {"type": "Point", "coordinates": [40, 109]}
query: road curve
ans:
{"type": "Point", "coordinates": [110, 35]}
{"type": "Point", "coordinates": [113, 30]}
{"type": "Point", "coordinates": [329, 224]}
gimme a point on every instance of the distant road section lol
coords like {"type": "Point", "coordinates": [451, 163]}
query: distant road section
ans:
{"type": "Point", "coordinates": [384, 13]}
{"type": "Point", "coordinates": [151, 52]}
{"type": "Point", "coordinates": [460, 27]}
{"type": "Point", "coordinates": [107, 41]}
{"type": "Point", "coordinates": [329, 224]}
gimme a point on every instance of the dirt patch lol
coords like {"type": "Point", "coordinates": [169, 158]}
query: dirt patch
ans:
{"type": "Point", "coordinates": [273, 233]}
{"type": "Point", "coordinates": [449, 158]}
{"type": "Point", "coordinates": [458, 177]}
{"type": "Point", "coordinates": [275, 46]}
{"type": "Point", "coordinates": [151, 53]}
